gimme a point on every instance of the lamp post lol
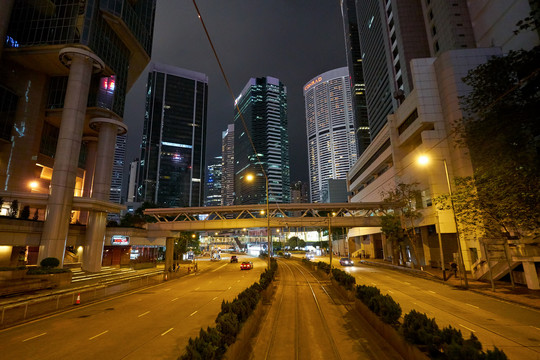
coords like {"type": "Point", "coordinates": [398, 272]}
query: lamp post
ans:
{"type": "Point", "coordinates": [250, 177]}
{"type": "Point", "coordinates": [423, 160]}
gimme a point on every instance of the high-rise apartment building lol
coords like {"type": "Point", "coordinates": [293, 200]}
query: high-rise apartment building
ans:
{"type": "Point", "coordinates": [263, 109]}
{"type": "Point", "coordinates": [66, 67]}
{"type": "Point", "coordinates": [212, 191]}
{"type": "Point", "coordinates": [330, 129]}
{"type": "Point", "coordinates": [356, 75]}
{"type": "Point", "coordinates": [227, 167]}
{"type": "Point", "coordinates": [174, 138]}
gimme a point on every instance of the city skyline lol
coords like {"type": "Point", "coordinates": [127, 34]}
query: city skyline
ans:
{"type": "Point", "coordinates": [309, 41]}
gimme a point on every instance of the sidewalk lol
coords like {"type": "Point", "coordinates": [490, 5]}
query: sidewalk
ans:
{"type": "Point", "coordinates": [503, 290]}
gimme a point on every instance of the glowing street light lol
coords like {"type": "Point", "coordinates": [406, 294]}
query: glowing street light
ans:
{"type": "Point", "coordinates": [424, 160]}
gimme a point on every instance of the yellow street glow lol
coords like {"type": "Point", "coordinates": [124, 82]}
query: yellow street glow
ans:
{"type": "Point", "coordinates": [250, 177]}
{"type": "Point", "coordinates": [423, 160]}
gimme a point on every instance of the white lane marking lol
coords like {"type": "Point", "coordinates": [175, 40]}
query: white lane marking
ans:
{"type": "Point", "coordinates": [471, 330]}
{"type": "Point", "coordinates": [93, 337]}
{"type": "Point", "coordinates": [166, 289]}
{"type": "Point", "coordinates": [237, 280]}
{"type": "Point", "coordinates": [167, 331]}
{"type": "Point", "coordinates": [433, 292]}
{"type": "Point", "coordinates": [406, 283]}
{"type": "Point", "coordinates": [219, 268]}
{"type": "Point", "coordinates": [33, 337]}
{"type": "Point", "coordinates": [390, 291]}
{"type": "Point", "coordinates": [535, 327]}
{"type": "Point", "coordinates": [193, 313]}
{"type": "Point", "coordinates": [197, 288]}
{"type": "Point", "coordinates": [144, 314]}
{"type": "Point", "coordinates": [373, 284]}
{"type": "Point", "coordinates": [214, 298]}
{"type": "Point", "coordinates": [476, 307]}
{"type": "Point", "coordinates": [174, 299]}
{"type": "Point", "coordinates": [229, 288]}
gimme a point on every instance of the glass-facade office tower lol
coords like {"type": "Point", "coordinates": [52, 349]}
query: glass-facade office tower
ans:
{"type": "Point", "coordinates": [65, 69]}
{"type": "Point", "coordinates": [227, 168]}
{"type": "Point", "coordinates": [263, 108]}
{"type": "Point", "coordinates": [356, 75]}
{"type": "Point", "coordinates": [174, 138]}
{"type": "Point", "coordinates": [212, 190]}
{"type": "Point", "coordinates": [117, 177]}
{"type": "Point", "coordinates": [330, 129]}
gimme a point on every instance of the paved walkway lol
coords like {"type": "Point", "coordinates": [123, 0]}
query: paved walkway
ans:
{"type": "Point", "coordinates": [503, 290]}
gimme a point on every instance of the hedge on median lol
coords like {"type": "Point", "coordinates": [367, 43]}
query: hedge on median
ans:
{"type": "Point", "coordinates": [213, 342]}
{"type": "Point", "coordinates": [417, 328]}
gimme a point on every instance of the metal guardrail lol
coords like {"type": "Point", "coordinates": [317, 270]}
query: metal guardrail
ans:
{"type": "Point", "coordinates": [47, 304]}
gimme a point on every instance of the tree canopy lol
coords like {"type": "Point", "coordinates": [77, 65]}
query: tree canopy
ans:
{"type": "Point", "coordinates": [502, 134]}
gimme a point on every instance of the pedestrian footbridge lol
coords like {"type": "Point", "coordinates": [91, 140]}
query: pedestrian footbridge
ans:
{"type": "Point", "coordinates": [316, 215]}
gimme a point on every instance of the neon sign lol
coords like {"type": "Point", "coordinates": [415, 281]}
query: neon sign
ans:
{"type": "Point", "coordinates": [120, 240]}
{"type": "Point", "coordinates": [312, 82]}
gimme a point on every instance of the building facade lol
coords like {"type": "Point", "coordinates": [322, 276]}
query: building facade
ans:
{"type": "Point", "coordinates": [117, 178]}
{"type": "Point", "coordinates": [65, 72]}
{"type": "Point", "coordinates": [262, 107]}
{"type": "Point", "coordinates": [422, 124]}
{"type": "Point", "coordinates": [227, 166]}
{"type": "Point", "coordinates": [330, 129]}
{"type": "Point", "coordinates": [173, 146]}
{"type": "Point", "coordinates": [300, 192]}
{"type": "Point", "coordinates": [212, 191]}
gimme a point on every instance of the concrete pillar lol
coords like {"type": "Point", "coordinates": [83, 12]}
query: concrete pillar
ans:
{"type": "Point", "coordinates": [5, 14]}
{"type": "Point", "coordinates": [531, 275]}
{"type": "Point", "coordinates": [91, 145]}
{"type": "Point", "coordinates": [426, 250]}
{"type": "Point", "coordinates": [169, 253]}
{"type": "Point", "coordinates": [57, 218]}
{"type": "Point", "coordinates": [101, 187]}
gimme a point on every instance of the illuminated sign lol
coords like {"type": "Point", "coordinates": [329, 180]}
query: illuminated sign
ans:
{"type": "Point", "coordinates": [312, 82]}
{"type": "Point", "coordinates": [120, 240]}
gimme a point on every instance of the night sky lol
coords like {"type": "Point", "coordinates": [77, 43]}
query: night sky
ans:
{"type": "Point", "coordinates": [293, 40]}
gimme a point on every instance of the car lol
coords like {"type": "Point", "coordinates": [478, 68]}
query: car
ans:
{"type": "Point", "coordinates": [287, 255]}
{"type": "Point", "coordinates": [246, 265]}
{"type": "Point", "coordinates": [346, 262]}
{"type": "Point", "coordinates": [234, 259]}
{"type": "Point", "coordinates": [310, 256]}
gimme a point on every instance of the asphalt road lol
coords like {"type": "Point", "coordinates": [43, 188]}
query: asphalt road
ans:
{"type": "Point", "coordinates": [152, 323]}
{"type": "Point", "coordinates": [513, 328]}
{"type": "Point", "coordinates": [307, 321]}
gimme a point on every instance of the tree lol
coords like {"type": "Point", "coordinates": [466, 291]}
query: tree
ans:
{"type": "Point", "coordinates": [25, 213]}
{"type": "Point", "coordinates": [36, 215]}
{"type": "Point", "coordinates": [292, 242]}
{"type": "Point", "coordinates": [407, 197]}
{"type": "Point", "coordinates": [502, 134]}
{"type": "Point", "coordinates": [391, 228]}
{"type": "Point", "coordinates": [14, 208]}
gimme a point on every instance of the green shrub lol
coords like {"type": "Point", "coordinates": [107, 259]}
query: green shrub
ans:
{"type": "Point", "coordinates": [496, 354]}
{"type": "Point", "coordinates": [25, 213]}
{"type": "Point", "coordinates": [49, 262]}
{"type": "Point", "coordinates": [344, 279]}
{"type": "Point", "coordinates": [418, 329]}
{"type": "Point", "coordinates": [364, 293]}
{"type": "Point", "coordinates": [228, 326]}
{"type": "Point", "coordinates": [45, 270]}
{"type": "Point", "coordinates": [386, 308]}
{"type": "Point", "coordinates": [321, 265]}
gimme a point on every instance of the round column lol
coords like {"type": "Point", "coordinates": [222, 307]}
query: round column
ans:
{"type": "Point", "coordinates": [91, 145]}
{"type": "Point", "coordinates": [58, 214]}
{"type": "Point", "coordinates": [101, 187]}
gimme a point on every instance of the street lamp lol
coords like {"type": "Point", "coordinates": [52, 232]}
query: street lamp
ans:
{"type": "Point", "coordinates": [424, 160]}
{"type": "Point", "coordinates": [250, 178]}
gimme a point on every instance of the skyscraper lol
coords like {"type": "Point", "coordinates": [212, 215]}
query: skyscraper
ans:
{"type": "Point", "coordinates": [356, 75]}
{"type": "Point", "coordinates": [66, 67]}
{"type": "Point", "coordinates": [330, 129]}
{"type": "Point", "coordinates": [227, 168]}
{"type": "Point", "coordinates": [212, 192]}
{"type": "Point", "coordinates": [117, 177]}
{"type": "Point", "coordinates": [391, 34]}
{"type": "Point", "coordinates": [174, 138]}
{"type": "Point", "coordinates": [263, 108]}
